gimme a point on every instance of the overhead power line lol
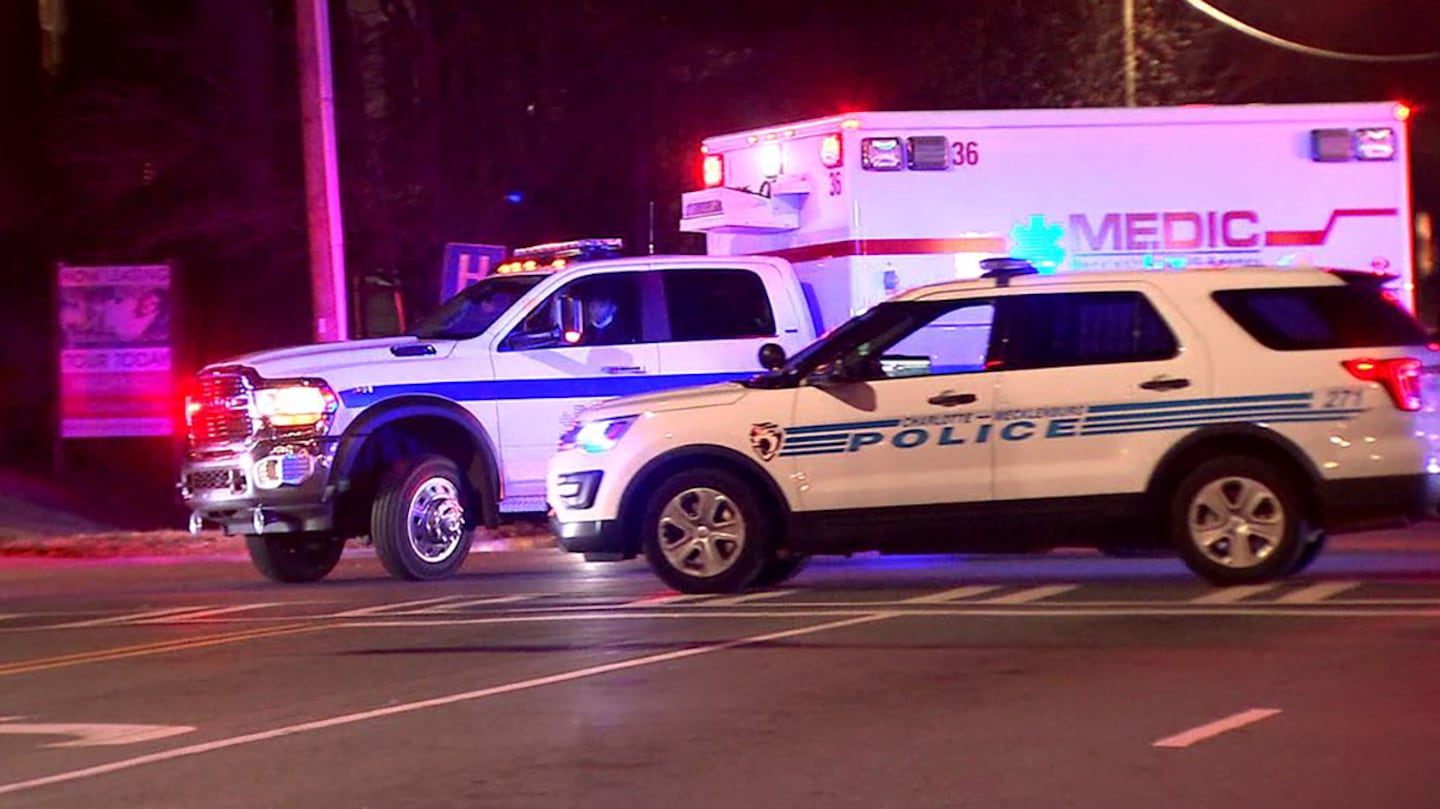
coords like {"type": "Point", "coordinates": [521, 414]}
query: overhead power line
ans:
{"type": "Point", "coordinates": [1243, 27]}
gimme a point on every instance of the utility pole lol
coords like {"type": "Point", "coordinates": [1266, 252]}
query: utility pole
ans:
{"type": "Point", "coordinates": [1130, 64]}
{"type": "Point", "coordinates": [322, 183]}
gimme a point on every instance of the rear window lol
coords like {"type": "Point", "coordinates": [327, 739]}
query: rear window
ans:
{"type": "Point", "coordinates": [717, 305]}
{"type": "Point", "coordinates": [1312, 318]}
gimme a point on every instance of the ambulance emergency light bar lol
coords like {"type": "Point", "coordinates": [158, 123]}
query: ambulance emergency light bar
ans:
{"type": "Point", "coordinates": [558, 255]}
{"type": "Point", "coordinates": [918, 153]}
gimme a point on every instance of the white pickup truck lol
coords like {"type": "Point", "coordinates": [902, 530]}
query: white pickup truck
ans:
{"type": "Point", "coordinates": [414, 440]}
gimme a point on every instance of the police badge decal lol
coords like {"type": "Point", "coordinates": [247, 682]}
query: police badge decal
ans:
{"type": "Point", "coordinates": [766, 438]}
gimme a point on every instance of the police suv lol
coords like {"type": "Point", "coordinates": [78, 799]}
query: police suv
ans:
{"type": "Point", "coordinates": [1236, 415]}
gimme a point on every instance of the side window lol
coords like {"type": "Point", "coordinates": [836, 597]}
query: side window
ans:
{"type": "Point", "coordinates": [955, 341]}
{"type": "Point", "coordinates": [717, 305]}
{"type": "Point", "coordinates": [611, 311]}
{"type": "Point", "coordinates": [1083, 328]}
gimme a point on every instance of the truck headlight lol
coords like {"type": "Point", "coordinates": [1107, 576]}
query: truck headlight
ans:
{"type": "Point", "coordinates": [296, 404]}
{"type": "Point", "coordinates": [596, 436]}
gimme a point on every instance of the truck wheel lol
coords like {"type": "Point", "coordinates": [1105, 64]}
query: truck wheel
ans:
{"type": "Point", "coordinates": [705, 531]}
{"type": "Point", "coordinates": [779, 571]}
{"type": "Point", "coordinates": [1238, 520]}
{"type": "Point", "coordinates": [294, 558]}
{"type": "Point", "coordinates": [418, 520]}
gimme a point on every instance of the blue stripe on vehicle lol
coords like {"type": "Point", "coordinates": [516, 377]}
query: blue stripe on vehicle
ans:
{"type": "Point", "coordinates": [818, 438]}
{"type": "Point", "coordinates": [786, 453]}
{"type": "Point", "coordinates": [1333, 415]}
{"type": "Point", "coordinates": [1219, 412]}
{"type": "Point", "coordinates": [1224, 417]}
{"type": "Point", "coordinates": [831, 428]}
{"type": "Point", "coordinates": [1183, 403]}
{"type": "Point", "coordinates": [584, 387]}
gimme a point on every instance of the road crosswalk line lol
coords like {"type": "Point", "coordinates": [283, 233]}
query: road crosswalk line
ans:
{"type": "Point", "coordinates": [1317, 592]}
{"type": "Point", "coordinates": [459, 606]}
{"type": "Point", "coordinates": [953, 594]}
{"type": "Point", "coordinates": [397, 608]}
{"type": "Point", "coordinates": [746, 598]}
{"type": "Point", "coordinates": [663, 600]}
{"type": "Point", "coordinates": [1031, 594]}
{"type": "Point", "coordinates": [1230, 595]}
{"type": "Point", "coordinates": [202, 613]}
{"type": "Point", "coordinates": [131, 618]}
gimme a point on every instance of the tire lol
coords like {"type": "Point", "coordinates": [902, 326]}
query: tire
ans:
{"type": "Point", "coordinates": [706, 531]}
{"type": "Point", "coordinates": [1309, 553]}
{"type": "Point", "coordinates": [294, 558]}
{"type": "Point", "coordinates": [419, 521]}
{"type": "Point", "coordinates": [1238, 520]}
{"type": "Point", "coordinates": [778, 571]}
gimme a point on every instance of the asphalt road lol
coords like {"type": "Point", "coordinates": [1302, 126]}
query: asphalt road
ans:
{"type": "Point", "coordinates": [538, 680]}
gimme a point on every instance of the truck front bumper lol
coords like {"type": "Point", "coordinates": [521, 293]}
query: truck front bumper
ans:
{"type": "Point", "coordinates": [275, 486]}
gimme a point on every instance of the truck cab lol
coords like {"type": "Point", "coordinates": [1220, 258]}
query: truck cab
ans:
{"type": "Point", "coordinates": [414, 440]}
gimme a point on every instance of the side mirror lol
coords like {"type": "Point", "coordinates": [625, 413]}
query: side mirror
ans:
{"type": "Point", "coordinates": [772, 356]}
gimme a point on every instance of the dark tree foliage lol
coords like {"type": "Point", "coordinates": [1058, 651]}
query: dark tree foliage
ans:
{"type": "Point", "coordinates": [171, 131]}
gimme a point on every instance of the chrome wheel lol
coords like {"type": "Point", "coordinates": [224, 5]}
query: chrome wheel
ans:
{"type": "Point", "coordinates": [1237, 522]}
{"type": "Point", "coordinates": [435, 521]}
{"type": "Point", "coordinates": [701, 532]}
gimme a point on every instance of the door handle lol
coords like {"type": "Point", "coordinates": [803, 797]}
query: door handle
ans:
{"type": "Point", "coordinates": [1165, 384]}
{"type": "Point", "coordinates": [950, 399]}
{"type": "Point", "coordinates": [623, 369]}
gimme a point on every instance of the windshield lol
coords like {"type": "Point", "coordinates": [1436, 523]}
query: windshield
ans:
{"type": "Point", "coordinates": [471, 312]}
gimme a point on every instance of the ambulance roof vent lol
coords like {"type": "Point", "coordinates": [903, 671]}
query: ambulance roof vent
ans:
{"type": "Point", "coordinates": [1003, 268]}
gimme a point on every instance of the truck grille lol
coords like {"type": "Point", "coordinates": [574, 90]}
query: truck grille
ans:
{"type": "Point", "coordinates": [223, 412]}
{"type": "Point", "coordinates": [232, 480]}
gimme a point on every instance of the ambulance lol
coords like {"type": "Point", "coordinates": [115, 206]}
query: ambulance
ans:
{"type": "Point", "coordinates": [870, 203]}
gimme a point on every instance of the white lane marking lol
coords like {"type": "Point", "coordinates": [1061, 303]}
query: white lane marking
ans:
{"type": "Point", "coordinates": [956, 594]}
{"type": "Point", "coordinates": [202, 614]}
{"type": "Point", "coordinates": [1317, 592]}
{"type": "Point", "coordinates": [673, 598]}
{"type": "Point", "coordinates": [1219, 726]}
{"type": "Point", "coordinates": [131, 618]}
{"type": "Point", "coordinates": [459, 606]}
{"type": "Point", "coordinates": [398, 608]}
{"type": "Point", "coordinates": [91, 734]}
{"type": "Point", "coordinates": [1031, 594]}
{"type": "Point", "coordinates": [958, 611]}
{"type": "Point", "coordinates": [747, 598]}
{"type": "Point", "coordinates": [1230, 595]}
{"type": "Point", "coordinates": [434, 702]}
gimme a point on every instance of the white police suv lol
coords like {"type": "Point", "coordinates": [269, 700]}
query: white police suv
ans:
{"type": "Point", "coordinates": [1236, 415]}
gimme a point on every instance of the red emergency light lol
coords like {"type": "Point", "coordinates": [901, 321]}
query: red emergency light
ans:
{"type": "Point", "coordinates": [712, 170]}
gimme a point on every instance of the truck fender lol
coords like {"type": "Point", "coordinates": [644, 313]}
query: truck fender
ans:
{"type": "Point", "coordinates": [484, 471]}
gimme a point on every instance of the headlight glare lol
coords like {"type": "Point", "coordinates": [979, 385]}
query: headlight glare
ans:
{"type": "Point", "coordinates": [296, 405]}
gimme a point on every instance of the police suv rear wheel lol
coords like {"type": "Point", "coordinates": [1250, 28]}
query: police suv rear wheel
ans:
{"type": "Point", "coordinates": [1238, 520]}
{"type": "Point", "coordinates": [294, 558]}
{"type": "Point", "coordinates": [418, 522]}
{"type": "Point", "coordinates": [706, 531]}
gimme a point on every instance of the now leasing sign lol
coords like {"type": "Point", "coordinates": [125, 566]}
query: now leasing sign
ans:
{"type": "Point", "coordinates": [115, 373]}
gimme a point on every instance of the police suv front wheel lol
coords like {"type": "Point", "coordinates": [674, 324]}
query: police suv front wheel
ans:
{"type": "Point", "coordinates": [706, 531]}
{"type": "Point", "coordinates": [418, 522]}
{"type": "Point", "coordinates": [1238, 520]}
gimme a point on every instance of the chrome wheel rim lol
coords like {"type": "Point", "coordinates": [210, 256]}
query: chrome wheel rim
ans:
{"type": "Point", "coordinates": [435, 522]}
{"type": "Point", "coordinates": [1236, 522]}
{"type": "Point", "coordinates": [701, 532]}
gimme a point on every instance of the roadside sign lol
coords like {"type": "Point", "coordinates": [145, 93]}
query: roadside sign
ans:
{"type": "Point", "coordinates": [115, 351]}
{"type": "Point", "coordinates": [467, 263]}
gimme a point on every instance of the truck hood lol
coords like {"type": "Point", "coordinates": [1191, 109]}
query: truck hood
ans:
{"type": "Point", "coordinates": [325, 358]}
{"type": "Point", "coordinates": [718, 395]}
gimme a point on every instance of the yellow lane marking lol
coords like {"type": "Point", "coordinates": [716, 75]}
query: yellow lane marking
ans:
{"type": "Point", "coordinates": [145, 649]}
